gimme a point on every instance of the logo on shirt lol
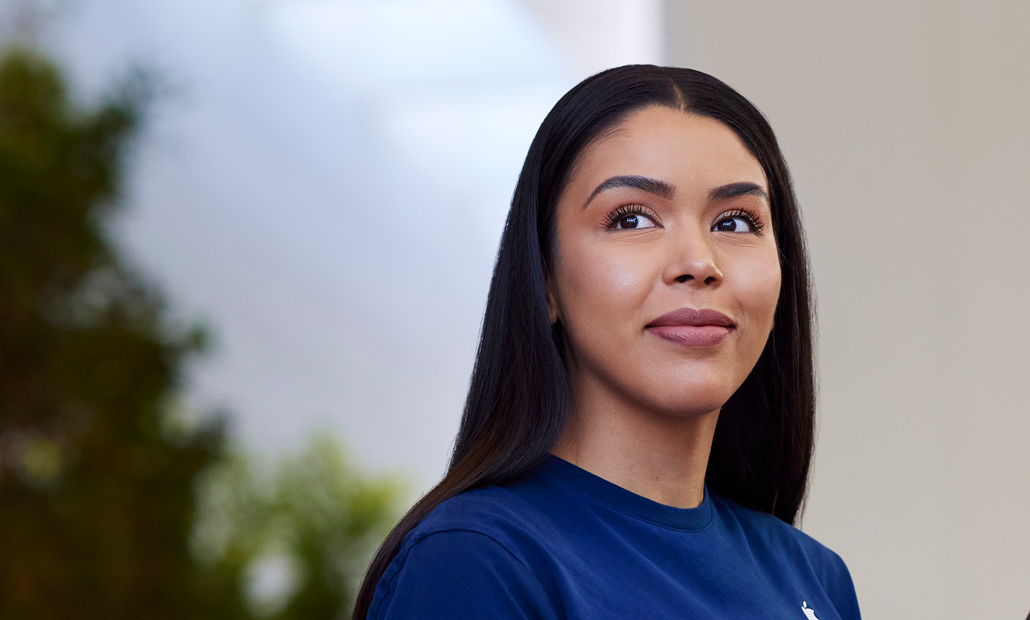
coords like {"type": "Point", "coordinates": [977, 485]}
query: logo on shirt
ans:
{"type": "Point", "coordinates": [809, 612]}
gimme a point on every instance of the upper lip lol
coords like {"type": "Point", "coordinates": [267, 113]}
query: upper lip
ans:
{"type": "Point", "coordinates": [690, 316]}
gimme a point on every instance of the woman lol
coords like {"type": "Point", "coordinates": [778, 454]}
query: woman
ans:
{"type": "Point", "coordinates": [639, 424]}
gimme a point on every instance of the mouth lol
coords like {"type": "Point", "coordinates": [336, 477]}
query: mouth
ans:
{"type": "Point", "coordinates": [692, 328]}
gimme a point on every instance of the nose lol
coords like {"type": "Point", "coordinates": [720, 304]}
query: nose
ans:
{"type": "Point", "coordinates": [691, 259]}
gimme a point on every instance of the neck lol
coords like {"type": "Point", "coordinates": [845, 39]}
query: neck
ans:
{"type": "Point", "coordinates": [660, 456]}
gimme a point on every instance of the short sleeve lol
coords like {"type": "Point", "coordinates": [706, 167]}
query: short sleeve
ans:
{"type": "Point", "coordinates": [455, 575]}
{"type": "Point", "coordinates": [841, 589]}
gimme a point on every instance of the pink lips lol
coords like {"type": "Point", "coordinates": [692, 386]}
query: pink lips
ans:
{"type": "Point", "coordinates": [692, 328]}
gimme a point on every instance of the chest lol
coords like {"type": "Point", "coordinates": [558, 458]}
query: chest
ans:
{"type": "Point", "coordinates": [621, 579]}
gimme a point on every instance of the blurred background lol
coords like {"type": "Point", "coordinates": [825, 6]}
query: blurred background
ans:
{"type": "Point", "coordinates": [245, 247]}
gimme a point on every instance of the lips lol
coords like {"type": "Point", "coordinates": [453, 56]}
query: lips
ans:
{"type": "Point", "coordinates": [692, 328]}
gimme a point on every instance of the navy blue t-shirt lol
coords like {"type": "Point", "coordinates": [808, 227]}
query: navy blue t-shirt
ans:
{"type": "Point", "coordinates": [564, 543]}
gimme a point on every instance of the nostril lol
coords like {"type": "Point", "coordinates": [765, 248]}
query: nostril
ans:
{"type": "Point", "coordinates": [709, 279]}
{"type": "Point", "coordinates": [685, 278]}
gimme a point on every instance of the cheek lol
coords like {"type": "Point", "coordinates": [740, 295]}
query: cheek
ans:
{"type": "Point", "coordinates": [603, 287]}
{"type": "Point", "coordinates": [758, 290]}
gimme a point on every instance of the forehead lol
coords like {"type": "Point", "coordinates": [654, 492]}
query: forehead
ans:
{"type": "Point", "coordinates": [694, 153]}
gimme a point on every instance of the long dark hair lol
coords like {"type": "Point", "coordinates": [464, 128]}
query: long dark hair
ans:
{"type": "Point", "coordinates": [518, 394]}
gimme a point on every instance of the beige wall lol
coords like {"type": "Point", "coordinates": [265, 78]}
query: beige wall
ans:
{"type": "Point", "coordinates": [907, 127]}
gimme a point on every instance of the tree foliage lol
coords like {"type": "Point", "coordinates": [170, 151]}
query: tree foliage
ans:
{"type": "Point", "coordinates": [93, 497]}
{"type": "Point", "coordinates": [97, 501]}
{"type": "Point", "coordinates": [312, 522]}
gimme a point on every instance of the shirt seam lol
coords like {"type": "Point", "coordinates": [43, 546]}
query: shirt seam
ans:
{"type": "Point", "coordinates": [711, 513]}
{"type": "Point", "coordinates": [407, 552]}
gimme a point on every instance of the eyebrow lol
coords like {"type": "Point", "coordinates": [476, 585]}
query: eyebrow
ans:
{"type": "Point", "coordinates": [736, 190]}
{"type": "Point", "coordinates": [647, 184]}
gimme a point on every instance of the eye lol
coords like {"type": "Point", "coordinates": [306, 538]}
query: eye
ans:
{"type": "Point", "coordinates": [732, 224]}
{"type": "Point", "coordinates": [628, 217]}
{"type": "Point", "coordinates": [635, 220]}
{"type": "Point", "coordinates": [737, 222]}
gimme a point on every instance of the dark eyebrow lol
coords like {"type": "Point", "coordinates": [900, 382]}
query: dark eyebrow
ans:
{"type": "Point", "coordinates": [647, 184]}
{"type": "Point", "coordinates": [735, 190]}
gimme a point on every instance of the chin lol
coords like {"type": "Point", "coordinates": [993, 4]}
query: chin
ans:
{"type": "Point", "coordinates": [689, 400]}
{"type": "Point", "coordinates": [693, 389]}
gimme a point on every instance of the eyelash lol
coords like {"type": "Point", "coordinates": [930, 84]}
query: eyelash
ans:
{"type": "Point", "coordinates": [616, 215]}
{"type": "Point", "coordinates": [748, 216]}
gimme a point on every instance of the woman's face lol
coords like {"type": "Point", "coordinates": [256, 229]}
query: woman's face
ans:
{"type": "Point", "coordinates": [666, 273]}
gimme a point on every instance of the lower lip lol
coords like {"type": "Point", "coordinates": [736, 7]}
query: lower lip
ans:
{"type": "Point", "coordinates": [692, 335]}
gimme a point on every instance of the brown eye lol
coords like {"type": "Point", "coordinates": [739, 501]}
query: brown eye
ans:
{"type": "Point", "coordinates": [735, 224]}
{"type": "Point", "coordinates": [634, 220]}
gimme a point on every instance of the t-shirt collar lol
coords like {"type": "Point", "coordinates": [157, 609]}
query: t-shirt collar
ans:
{"type": "Point", "coordinates": [690, 519]}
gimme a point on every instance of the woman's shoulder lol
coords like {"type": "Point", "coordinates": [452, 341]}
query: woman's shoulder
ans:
{"type": "Point", "coordinates": [763, 529]}
{"type": "Point", "coordinates": [770, 537]}
{"type": "Point", "coordinates": [508, 515]}
{"type": "Point", "coordinates": [472, 556]}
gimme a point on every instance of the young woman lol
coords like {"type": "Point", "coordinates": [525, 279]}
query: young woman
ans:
{"type": "Point", "coordinates": [639, 424]}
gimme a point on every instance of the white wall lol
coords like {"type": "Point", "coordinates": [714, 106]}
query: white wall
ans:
{"type": "Point", "coordinates": [906, 126]}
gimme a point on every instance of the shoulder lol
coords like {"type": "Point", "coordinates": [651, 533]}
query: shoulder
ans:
{"type": "Point", "coordinates": [764, 529]}
{"type": "Point", "coordinates": [470, 557]}
{"type": "Point", "coordinates": [510, 516]}
{"type": "Point", "coordinates": [790, 550]}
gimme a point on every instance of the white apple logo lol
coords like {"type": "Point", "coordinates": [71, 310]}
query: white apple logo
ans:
{"type": "Point", "coordinates": [809, 612]}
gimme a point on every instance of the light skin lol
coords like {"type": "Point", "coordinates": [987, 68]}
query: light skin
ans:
{"type": "Point", "coordinates": [629, 250]}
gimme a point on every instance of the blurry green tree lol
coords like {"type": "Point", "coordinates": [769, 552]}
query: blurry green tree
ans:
{"type": "Point", "coordinates": [300, 535]}
{"type": "Point", "coordinates": [99, 476]}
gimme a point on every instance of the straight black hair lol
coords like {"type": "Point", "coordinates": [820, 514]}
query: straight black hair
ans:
{"type": "Point", "coordinates": [518, 395]}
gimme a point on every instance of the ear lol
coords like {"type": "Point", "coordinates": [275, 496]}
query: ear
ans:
{"type": "Point", "coordinates": [552, 303]}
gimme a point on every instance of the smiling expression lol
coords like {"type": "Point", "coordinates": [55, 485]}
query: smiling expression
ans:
{"type": "Point", "coordinates": [666, 274]}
